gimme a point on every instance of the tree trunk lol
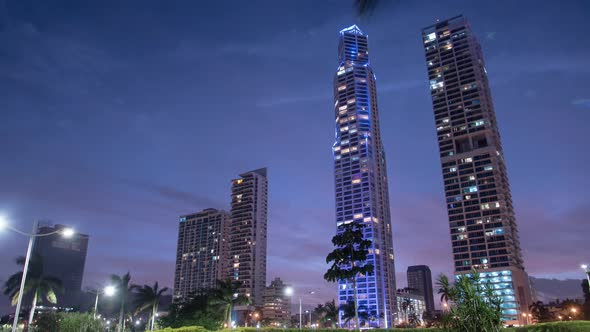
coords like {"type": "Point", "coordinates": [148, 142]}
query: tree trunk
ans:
{"type": "Point", "coordinates": [154, 311]}
{"type": "Point", "coordinates": [121, 314]}
{"type": "Point", "coordinates": [356, 308]}
{"type": "Point", "coordinates": [228, 316]}
{"type": "Point", "coordinates": [33, 306]}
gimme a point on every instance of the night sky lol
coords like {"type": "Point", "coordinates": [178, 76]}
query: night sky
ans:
{"type": "Point", "coordinates": [119, 116]}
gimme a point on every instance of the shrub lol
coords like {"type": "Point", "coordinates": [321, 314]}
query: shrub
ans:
{"type": "Point", "coordinates": [184, 329]}
{"type": "Point", "coordinates": [573, 326]}
{"type": "Point", "coordinates": [79, 322]}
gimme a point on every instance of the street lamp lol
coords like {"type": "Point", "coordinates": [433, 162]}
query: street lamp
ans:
{"type": "Point", "coordinates": [108, 291]}
{"type": "Point", "coordinates": [65, 232]}
{"type": "Point", "coordinates": [585, 268]}
{"type": "Point", "coordinates": [290, 292]}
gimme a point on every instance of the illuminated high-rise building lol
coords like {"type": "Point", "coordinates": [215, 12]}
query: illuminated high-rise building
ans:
{"type": "Point", "coordinates": [247, 240]}
{"type": "Point", "coordinates": [481, 216]}
{"type": "Point", "coordinates": [202, 252]}
{"type": "Point", "coordinates": [361, 178]}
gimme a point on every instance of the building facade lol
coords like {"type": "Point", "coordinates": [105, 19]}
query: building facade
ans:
{"type": "Point", "coordinates": [483, 228]}
{"type": "Point", "coordinates": [360, 175]}
{"type": "Point", "coordinates": [63, 258]}
{"type": "Point", "coordinates": [420, 281]}
{"type": "Point", "coordinates": [409, 304]}
{"type": "Point", "coordinates": [277, 305]}
{"type": "Point", "coordinates": [247, 240]}
{"type": "Point", "coordinates": [202, 252]}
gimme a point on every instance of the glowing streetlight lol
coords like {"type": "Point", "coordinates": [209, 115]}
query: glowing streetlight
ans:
{"type": "Point", "coordinates": [290, 292]}
{"type": "Point", "coordinates": [585, 268]}
{"type": "Point", "coordinates": [108, 291]}
{"type": "Point", "coordinates": [65, 232]}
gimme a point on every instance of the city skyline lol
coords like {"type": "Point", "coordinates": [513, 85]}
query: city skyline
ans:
{"type": "Point", "coordinates": [117, 130]}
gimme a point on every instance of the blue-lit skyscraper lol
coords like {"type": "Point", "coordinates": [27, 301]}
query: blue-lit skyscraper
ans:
{"type": "Point", "coordinates": [483, 227]}
{"type": "Point", "coordinates": [360, 176]}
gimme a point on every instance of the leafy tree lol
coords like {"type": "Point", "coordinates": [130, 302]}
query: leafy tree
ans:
{"type": "Point", "coordinates": [37, 283]}
{"type": "Point", "coordinates": [475, 305]}
{"type": "Point", "coordinates": [349, 258]}
{"type": "Point", "coordinates": [147, 297]}
{"type": "Point", "coordinates": [540, 312]}
{"type": "Point", "coordinates": [124, 291]}
{"type": "Point", "coordinates": [226, 296]}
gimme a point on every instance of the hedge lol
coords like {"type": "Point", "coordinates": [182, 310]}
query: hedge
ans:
{"type": "Point", "coordinates": [573, 326]}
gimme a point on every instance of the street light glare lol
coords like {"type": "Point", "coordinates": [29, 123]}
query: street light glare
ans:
{"type": "Point", "coordinates": [109, 290]}
{"type": "Point", "coordinates": [3, 222]}
{"type": "Point", "coordinates": [67, 232]}
{"type": "Point", "coordinates": [289, 291]}
{"type": "Point", "coordinates": [584, 266]}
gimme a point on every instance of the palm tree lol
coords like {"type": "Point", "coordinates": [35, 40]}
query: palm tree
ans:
{"type": "Point", "coordinates": [147, 297]}
{"type": "Point", "coordinates": [38, 284]}
{"type": "Point", "coordinates": [348, 312]}
{"type": "Point", "coordinates": [330, 315]}
{"type": "Point", "coordinates": [365, 7]}
{"type": "Point", "coordinates": [226, 296]}
{"type": "Point", "coordinates": [413, 319]}
{"type": "Point", "coordinates": [407, 307]}
{"type": "Point", "coordinates": [123, 291]}
{"type": "Point", "coordinates": [443, 288]}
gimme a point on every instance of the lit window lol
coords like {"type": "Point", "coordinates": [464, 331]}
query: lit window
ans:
{"type": "Point", "coordinates": [367, 219]}
{"type": "Point", "coordinates": [488, 168]}
{"type": "Point", "coordinates": [468, 160]}
{"type": "Point", "coordinates": [358, 216]}
{"type": "Point", "coordinates": [342, 87]}
{"type": "Point", "coordinates": [453, 169]}
{"type": "Point", "coordinates": [351, 101]}
{"type": "Point", "coordinates": [478, 123]}
{"type": "Point", "coordinates": [356, 181]}
{"type": "Point", "coordinates": [430, 37]}
{"type": "Point", "coordinates": [471, 178]}
{"type": "Point", "coordinates": [344, 128]}
{"type": "Point", "coordinates": [446, 120]}
{"type": "Point", "coordinates": [471, 189]}
{"type": "Point", "coordinates": [345, 151]}
{"type": "Point", "coordinates": [364, 116]}
{"type": "Point", "coordinates": [343, 107]}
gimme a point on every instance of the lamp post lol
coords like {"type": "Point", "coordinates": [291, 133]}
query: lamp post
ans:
{"type": "Point", "coordinates": [108, 291]}
{"type": "Point", "coordinates": [309, 311]}
{"type": "Point", "coordinates": [585, 268]}
{"type": "Point", "coordinates": [65, 232]}
{"type": "Point", "coordinates": [289, 292]}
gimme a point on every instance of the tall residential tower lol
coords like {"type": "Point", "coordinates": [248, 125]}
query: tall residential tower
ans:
{"type": "Point", "coordinates": [247, 240]}
{"type": "Point", "coordinates": [202, 252]}
{"type": "Point", "coordinates": [360, 175]}
{"type": "Point", "coordinates": [481, 216]}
